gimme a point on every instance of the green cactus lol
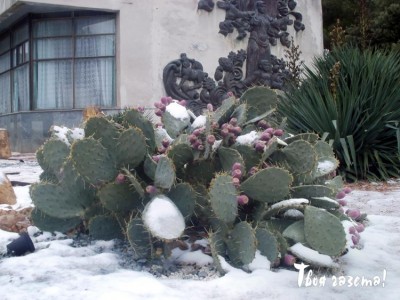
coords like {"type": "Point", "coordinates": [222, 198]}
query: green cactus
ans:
{"type": "Point", "coordinates": [223, 200]}
{"type": "Point", "coordinates": [268, 185]}
{"type": "Point", "coordinates": [127, 179]}
{"type": "Point", "coordinates": [242, 244]}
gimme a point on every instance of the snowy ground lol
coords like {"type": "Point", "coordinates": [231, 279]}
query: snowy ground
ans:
{"type": "Point", "coordinates": [56, 270]}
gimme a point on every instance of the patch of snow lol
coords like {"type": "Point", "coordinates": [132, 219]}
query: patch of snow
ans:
{"type": "Point", "coordinates": [163, 218]}
{"type": "Point", "coordinates": [326, 199]}
{"type": "Point", "coordinates": [77, 133]}
{"type": "Point", "coordinates": [177, 111]}
{"type": "Point", "coordinates": [312, 256]}
{"type": "Point", "coordinates": [3, 178]}
{"type": "Point", "coordinates": [247, 139]}
{"type": "Point", "coordinates": [216, 145]}
{"type": "Point", "coordinates": [326, 166]}
{"type": "Point", "coordinates": [289, 202]}
{"type": "Point", "coordinates": [60, 132]}
{"type": "Point", "coordinates": [281, 142]}
{"type": "Point", "coordinates": [161, 134]}
{"type": "Point", "coordinates": [200, 121]}
{"type": "Point", "coordinates": [191, 257]}
{"type": "Point", "coordinates": [260, 262]}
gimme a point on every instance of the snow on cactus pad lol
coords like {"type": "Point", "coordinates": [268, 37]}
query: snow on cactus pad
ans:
{"type": "Point", "coordinates": [163, 218]}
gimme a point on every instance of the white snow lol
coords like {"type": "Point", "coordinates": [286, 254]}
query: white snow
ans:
{"type": "Point", "coordinates": [289, 202]}
{"type": "Point", "coordinates": [326, 166]}
{"type": "Point", "coordinates": [3, 178]}
{"type": "Point", "coordinates": [200, 121]}
{"type": "Point", "coordinates": [247, 139]}
{"type": "Point", "coordinates": [58, 271]}
{"type": "Point", "coordinates": [310, 255]}
{"type": "Point", "coordinates": [66, 134]}
{"type": "Point", "coordinates": [189, 258]}
{"type": "Point", "coordinates": [326, 199]}
{"type": "Point", "coordinates": [163, 218]}
{"type": "Point", "coordinates": [216, 145]}
{"type": "Point", "coordinates": [177, 111]}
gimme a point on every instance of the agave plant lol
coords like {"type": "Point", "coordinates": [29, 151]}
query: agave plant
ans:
{"type": "Point", "coordinates": [351, 98]}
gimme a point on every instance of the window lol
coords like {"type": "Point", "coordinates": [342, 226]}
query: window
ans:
{"type": "Point", "coordinates": [58, 62]}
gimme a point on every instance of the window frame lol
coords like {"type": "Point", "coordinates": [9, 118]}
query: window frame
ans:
{"type": "Point", "coordinates": [30, 59]}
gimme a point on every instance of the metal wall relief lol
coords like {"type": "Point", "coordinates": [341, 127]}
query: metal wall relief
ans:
{"type": "Point", "coordinates": [265, 23]}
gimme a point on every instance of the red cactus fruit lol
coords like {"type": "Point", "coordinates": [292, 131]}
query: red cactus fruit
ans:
{"type": "Point", "coordinates": [237, 166]}
{"type": "Point", "coordinates": [278, 132]}
{"type": "Point", "coordinates": [200, 147]}
{"type": "Point", "coordinates": [120, 178]}
{"type": "Point", "coordinates": [210, 107]}
{"type": "Point", "coordinates": [242, 199]}
{"type": "Point", "coordinates": [151, 189]}
{"type": "Point", "coordinates": [253, 170]}
{"type": "Point", "coordinates": [270, 130]}
{"type": "Point", "coordinates": [156, 158]}
{"type": "Point", "coordinates": [259, 146]}
{"type": "Point", "coordinates": [211, 139]}
{"type": "Point", "coordinates": [164, 100]}
{"type": "Point", "coordinates": [233, 121]}
{"type": "Point", "coordinates": [353, 213]}
{"type": "Point", "coordinates": [165, 142]}
{"type": "Point", "coordinates": [352, 230]}
{"type": "Point", "coordinates": [192, 138]}
{"type": "Point", "coordinates": [236, 173]}
{"type": "Point", "coordinates": [342, 202]}
{"type": "Point", "coordinates": [157, 104]}
{"type": "Point", "coordinates": [263, 124]}
{"type": "Point", "coordinates": [289, 260]}
{"type": "Point", "coordinates": [236, 181]}
{"type": "Point", "coordinates": [360, 227]}
{"type": "Point", "coordinates": [347, 190]}
{"type": "Point", "coordinates": [183, 103]}
{"type": "Point", "coordinates": [265, 136]}
{"type": "Point", "coordinates": [355, 239]}
{"type": "Point", "coordinates": [224, 132]}
{"type": "Point", "coordinates": [340, 195]}
{"type": "Point", "coordinates": [237, 130]}
{"type": "Point", "coordinates": [158, 112]}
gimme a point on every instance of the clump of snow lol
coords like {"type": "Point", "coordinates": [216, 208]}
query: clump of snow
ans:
{"type": "Point", "coordinates": [260, 262]}
{"type": "Point", "coordinates": [200, 121]}
{"type": "Point", "coordinates": [177, 111]}
{"type": "Point", "coordinates": [289, 202]}
{"type": "Point", "coordinates": [216, 145]}
{"type": "Point", "coordinates": [281, 142]}
{"type": "Point", "coordinates": [312, 256]}
{"type": "Point", "coordinates": [247, 139]}
{"type": "Point", "coordinates": [188, 257]}
{"type": "Point", "coordinates": [163, 218]}
{"type": "Point", "coordinates": [326, 199]}
{"type": "Point", "coordinates": [60, 132]}
{"type": "Point", "coordinates": [326, 166]}
{"type": "Point", "coordinates": [66, 134]}
{"type": "Point", "coordinates": [161, 134]}
{"type": "Point", "coordinates": [3, 177]}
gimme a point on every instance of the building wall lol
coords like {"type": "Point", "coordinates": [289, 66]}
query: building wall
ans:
{"type": "Point", "coordinates": [151, 33]}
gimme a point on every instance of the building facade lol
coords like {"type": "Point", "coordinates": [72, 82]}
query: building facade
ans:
{"type": "Point", "coordinates": [58, 57]}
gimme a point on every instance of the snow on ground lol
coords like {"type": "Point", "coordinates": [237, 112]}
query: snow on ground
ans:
{"type": "Point", "coordinates": [56, 270]}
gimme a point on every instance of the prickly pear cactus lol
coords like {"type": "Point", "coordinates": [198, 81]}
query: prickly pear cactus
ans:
{"type": "Point", "coordinates": [233, 171]}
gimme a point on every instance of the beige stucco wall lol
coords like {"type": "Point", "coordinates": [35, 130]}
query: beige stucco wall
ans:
{"type": "Point", "coordinates": [152, 33]}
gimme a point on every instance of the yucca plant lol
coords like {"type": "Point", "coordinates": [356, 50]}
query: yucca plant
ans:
{"type": "Point", "coordinates": [352, 98]}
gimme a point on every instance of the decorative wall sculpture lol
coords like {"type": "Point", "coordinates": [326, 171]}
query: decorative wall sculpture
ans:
{"type": "Point", "coordinates": [266, 22]}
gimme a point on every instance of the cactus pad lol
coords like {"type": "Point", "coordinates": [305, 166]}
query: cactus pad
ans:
{"type": "Point", "coordinates": [268, 185]}
{"type": "Point", "coordinates": [268, 244]}
{"type": "Point", "coordinates": [92, 161]}
{"type": "Point", "coordinates": [131, 148]}
{"type": "Point", "coordinates": [228, 157]}
{"type": "Point", "coordinates": [242, 244]}
{"type": "Point", "coordinates": [139, 238]}
{"type": "Point", "coordinates": [324, 232]}
{"type": "Point", "coordinates": [119, 198]}
{"type": "Point", "coordinates": [136, 119]}
{"type": "Point", "coordinates": [184, 198]}
{"type": "Point", "coordinates": [223, 200]}
{"type": "Point", "coordinates": [47, 223]}
{"type": "Point", "coordinates": [164, 176]}
{"type": "Point", "coordinates": [105, 228]}
{"type": "Point", "coordinates": [55, 153]}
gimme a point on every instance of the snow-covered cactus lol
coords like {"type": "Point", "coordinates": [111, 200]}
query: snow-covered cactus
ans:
{"type": "Point", "coordinates": [233, 171]}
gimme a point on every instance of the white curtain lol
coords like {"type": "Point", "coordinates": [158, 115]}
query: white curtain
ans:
{"type": "Point", "coordinates": [94, 82]}
{"type": "Point", "coordinates": [53, 88]}
{"type": "Point", "coordinates": [5, 93]}
{"type": "Point", "coordinates": [21, 88]}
